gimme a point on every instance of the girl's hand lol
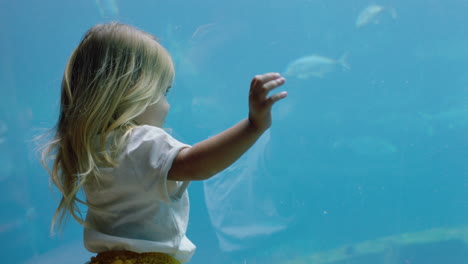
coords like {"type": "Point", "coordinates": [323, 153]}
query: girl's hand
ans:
{"type": "Point", "coordinates": [259, 102]}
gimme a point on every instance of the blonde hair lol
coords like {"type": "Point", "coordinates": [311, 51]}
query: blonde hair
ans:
{"type": "Point", "coordinates": [111, 77]}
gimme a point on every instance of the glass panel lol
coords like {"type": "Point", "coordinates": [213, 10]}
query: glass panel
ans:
{"type": "Point", "coordinates": [365, 161]}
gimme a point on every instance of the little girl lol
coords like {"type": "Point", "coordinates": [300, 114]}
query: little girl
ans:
{"type": "Point", "coordinates": [109, 140]}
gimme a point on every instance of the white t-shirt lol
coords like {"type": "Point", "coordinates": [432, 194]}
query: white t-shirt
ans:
{"type": "Point", "coordinates": [134, 206]}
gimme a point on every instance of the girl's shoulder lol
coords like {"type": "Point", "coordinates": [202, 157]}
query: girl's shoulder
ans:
{"type": "Point", "coordinates": [146, 132]}
{"type": "Point", "coordinates": [150, 136]}
{"type": "Point", "coordinates": [143, 129]}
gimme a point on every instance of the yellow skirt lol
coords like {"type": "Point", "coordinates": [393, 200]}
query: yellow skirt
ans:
{"type": "Point", "coordinates": [130, 257]}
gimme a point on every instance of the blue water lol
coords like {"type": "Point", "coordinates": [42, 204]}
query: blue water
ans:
{"type": "Point", "coordinates": [374, 153]}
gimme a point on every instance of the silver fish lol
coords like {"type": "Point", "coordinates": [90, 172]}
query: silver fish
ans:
{"type": "Point", "coordinates": [3, 130]}
{"type": "Point", "coordinates": [453, 118]}
{"type": "Point", "coordinates": [108, 8]}
{"type": "Point", "coordinates": [315, 66]}
{"type": "Point", "coordinates": [371, 13]}
{"type": "Point", "coordinates": [367, 146]}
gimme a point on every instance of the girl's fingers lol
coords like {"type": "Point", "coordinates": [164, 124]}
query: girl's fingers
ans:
{"type": "Point", "coordinates": [276, 97]}
{"type": "Point", "coordinates": [267, 77]}
{"type": "Point", "coordinates": [262, 93]}
{"type": "Point", "coordinates": [263, 84]}
{"type": "Point", "coordinates": [272, 84]}
{"type": "Point", "coordinates": [259, 80]}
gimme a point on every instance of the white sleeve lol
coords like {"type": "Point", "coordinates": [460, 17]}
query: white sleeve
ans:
{"type": "Point", "coordinates": [151, 151]}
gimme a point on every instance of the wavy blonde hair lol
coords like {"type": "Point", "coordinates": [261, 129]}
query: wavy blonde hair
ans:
{"type": "Point", "coordinates": [111, 77]}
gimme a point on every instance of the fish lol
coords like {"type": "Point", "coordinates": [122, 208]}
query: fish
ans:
{"type": "Point", "coordinates": [3, 130]}
{"type": "Point", "coordinates": [108, 8]}
{"type": "Point", "coordinates": [370, 14]}
{"type": "Point", "coordinates": [314, 66]}
{"type": "Point", "coordinates": [367, 146]}
{"type": "Point", "coordinates": [203, 30]}
{"type": "Point", "coordinates": [453, 118]}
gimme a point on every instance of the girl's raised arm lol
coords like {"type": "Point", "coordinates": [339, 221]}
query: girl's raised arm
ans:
{"type": "Point", "coordinates": [211, 156]}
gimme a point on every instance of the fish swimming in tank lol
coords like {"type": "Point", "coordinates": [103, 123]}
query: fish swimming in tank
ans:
{"type": "Point", "coordinates": [108, 8]}
{"type": "Point", "coordinates": [315, 66]}
{"type": "Point", "coordinates": [371, 14]}
{"type": "Point", "coordinates": [366, 146]}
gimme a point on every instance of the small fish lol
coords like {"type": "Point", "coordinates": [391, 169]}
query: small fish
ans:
{"type": "Point", "coordinates": [371, 13]}
{"type": "Point", "coordinates": [3, 130]}
{"type": "Point", "coordinates": [315, 66]}
{"type": "Point", "coordinates": [202, 31]}
{"type": "Point", "coordinates": [453, 118]}
{"type": "Point", "coordinates": [367, 146]}
{"type": "Point", "coordinates": [108, 8]}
